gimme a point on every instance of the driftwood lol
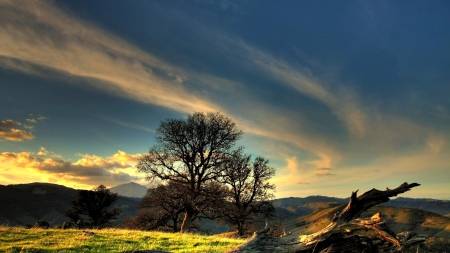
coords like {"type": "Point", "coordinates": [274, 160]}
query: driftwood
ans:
{"type": "Point", "coordinates": [345, 233]}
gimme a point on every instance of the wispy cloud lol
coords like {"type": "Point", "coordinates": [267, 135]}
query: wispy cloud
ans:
{"type": "Point", "coordinates": [54, 40]}
{"type": "Point", "coordinates": [127, 124]}
{"type": "Point", "coordinates": [323, 172]}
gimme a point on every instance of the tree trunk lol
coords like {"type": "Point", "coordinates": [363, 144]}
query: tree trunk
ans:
{"type": "Point", "coordinates": [187, 220]}
{"type": "Point", "coordinates": [175, 223]}
{"type": "Point", "coordinates": [240, 227]}
{"type": "Point", "coordinates": [345, 233]}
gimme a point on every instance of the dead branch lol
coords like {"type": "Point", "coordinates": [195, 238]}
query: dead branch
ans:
{"type": "Point", "coordinates": [345, 233]}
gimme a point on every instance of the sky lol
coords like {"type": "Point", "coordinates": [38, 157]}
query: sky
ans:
{"type": "Point", "coordinates": [338, 95]}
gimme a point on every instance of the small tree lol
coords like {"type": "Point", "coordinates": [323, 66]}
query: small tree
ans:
{"type": "Point", "coordinates": [91, 207]}
{"type": "Point", "coordinates": [249, 190]}
{"type": "Point", "coordinates": [190, 152]}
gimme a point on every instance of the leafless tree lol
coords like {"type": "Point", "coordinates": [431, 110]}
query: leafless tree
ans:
{"type": "Point", "coordinates": [190, 152]}
{"type": "Point", "coordinates": [249, 190]}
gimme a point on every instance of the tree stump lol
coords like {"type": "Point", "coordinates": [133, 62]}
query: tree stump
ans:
{"type": "Point", "coordinates": [345, 233]}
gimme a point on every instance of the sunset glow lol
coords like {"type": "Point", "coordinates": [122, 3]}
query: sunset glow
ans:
{"type": "Point", "coordinates": [339, 96]}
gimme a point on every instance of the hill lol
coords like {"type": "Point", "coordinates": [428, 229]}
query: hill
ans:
{"type": "Point", "coordinates": [131, 189]}
{"type": "Point", "coordinates": [441, 207]}
{"type": "Point", "coordinates": [398, 219]}
{"type": "Point", "coordinates": [27, 203]}
{"type": "Point", "coordinates": [293, 206]}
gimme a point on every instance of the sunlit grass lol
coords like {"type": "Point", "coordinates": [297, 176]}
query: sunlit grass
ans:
{"type": "Point", "coordinates": [18, 239]}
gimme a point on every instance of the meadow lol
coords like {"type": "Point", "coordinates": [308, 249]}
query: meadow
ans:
{"type": "Point", "coordinates": [20, 239]}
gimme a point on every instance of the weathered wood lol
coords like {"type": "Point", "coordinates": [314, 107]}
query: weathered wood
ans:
{"type": "Point", "coordinates": [371, 198]}
{"type": "Point", "coordinates": [345, 233]}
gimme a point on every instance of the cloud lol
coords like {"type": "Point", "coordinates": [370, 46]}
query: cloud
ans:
{"type": "Point", "coordinates": [35, 119]}
{"type": "Point", "coordinates": [327, 169]}
{"type": "Point", "coordinates": [9, 133]}
{"type": "Point", "coordinates": [54, 40]}
{"type": "Point", "coordinates": [89, 170]}
{"type": "Point", "coordinates": [323, 172]}
{"type": "Point", "coordinates": [31, 120]}
{"type": "Point", "coordinates": [130, 125]}
{"type": "Point", "coordinates": [42, 152]}
{"type": "Point", "coordinates": [58, 41]}
{"type": "Point", "coordinates": [342, 101]}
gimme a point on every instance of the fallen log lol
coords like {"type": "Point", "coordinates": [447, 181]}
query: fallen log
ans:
{"type": "Point", "coordinates": [345, 233]}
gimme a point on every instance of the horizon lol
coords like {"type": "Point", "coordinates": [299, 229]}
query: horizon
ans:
{"type": "Point", "coordinates": [338, 96]}
{"type": "Point", "coordinates": [327, 196]}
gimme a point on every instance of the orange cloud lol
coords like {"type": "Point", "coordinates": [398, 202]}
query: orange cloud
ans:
{"type": "Point", "coordinates": [9, 133]}
{"type": "Point", "coordinates": [89, 170]}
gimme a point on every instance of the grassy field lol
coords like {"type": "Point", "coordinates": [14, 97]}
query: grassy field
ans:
{"type": "Point", "coordinates": [18, 239]}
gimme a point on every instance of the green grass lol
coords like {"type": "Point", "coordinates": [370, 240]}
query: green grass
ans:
{"type": "Point", "coordinates": [18, 239]}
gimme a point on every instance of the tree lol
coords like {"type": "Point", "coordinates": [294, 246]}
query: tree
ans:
{"type": "Point", "coordinates": [91, 207]}
{"type": "Point", "coordinates": [249, 195]}
{"type": "Point", "coordinates": [190, 152]}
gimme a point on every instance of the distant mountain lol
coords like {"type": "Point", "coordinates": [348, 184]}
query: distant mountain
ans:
{"type": "Point", "coordinates": [132, 189]}
{"type": "Point", "coordinates": [441, 207]}
{"type": "Point", "coordinates": [23, 204]}
{"type": "Point", "coordinates": [294, 207]}
{"type": "Point", "coordinates": [289, 207]}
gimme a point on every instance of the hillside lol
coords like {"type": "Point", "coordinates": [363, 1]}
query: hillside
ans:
{"type": "Point", "coordinates": [398, 219]}
{"type": "Point", "coordinates": [294, 207]}
{"type": "Point", "coordinates": [441, 207]}
{"type": "Point", "coordinates": [27, 203]}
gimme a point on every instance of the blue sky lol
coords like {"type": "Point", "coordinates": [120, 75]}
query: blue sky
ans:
{"type": "Point", "coordinates": [339, 96]}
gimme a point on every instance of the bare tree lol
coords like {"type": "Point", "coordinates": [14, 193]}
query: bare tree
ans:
{"type": "Point", "coordinates": [249, 190]}
{"type": "Point", "coordinates": [190, 152]}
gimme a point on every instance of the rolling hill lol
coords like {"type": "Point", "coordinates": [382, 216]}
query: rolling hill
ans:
{"type": "Point", "coordinates": [24, 204]}
{"type": "Point", "coordinates": [27, 203]}
{"type": "Point", "coordinates": [398, 219]}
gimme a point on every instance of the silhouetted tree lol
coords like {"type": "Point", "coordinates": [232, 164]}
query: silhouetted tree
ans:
{"type": "Point", "coordinates": [190, 152]}
{"type": "Point", "coordinates": [91, 207]}
{"type": "Point", "coordinates": [249, 195]}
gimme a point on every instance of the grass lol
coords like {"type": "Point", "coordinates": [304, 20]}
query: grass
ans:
{"type": "Point", "coordinates": [19, 239]}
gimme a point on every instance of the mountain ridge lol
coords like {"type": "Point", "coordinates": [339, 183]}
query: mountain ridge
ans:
{"type": "Point", "coordinates": [131, 189]}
